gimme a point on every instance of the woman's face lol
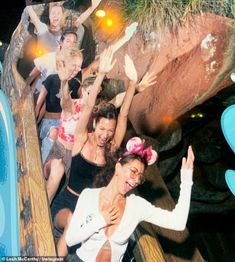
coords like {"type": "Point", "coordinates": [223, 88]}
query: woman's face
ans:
{"type": "Point", "coordinates": [55, 16]}
{"type": "Point", "coordinates": [130, 175]}
{"type": "Point", "coordinates": [74, 66]}
{"type": "Point", "coordinates": [70, 41]}
{"type": "Point", "coordinates": [104, 130]}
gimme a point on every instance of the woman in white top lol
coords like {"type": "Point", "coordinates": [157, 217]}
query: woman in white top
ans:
{"type": "Point", "coordinates": [105, 217]}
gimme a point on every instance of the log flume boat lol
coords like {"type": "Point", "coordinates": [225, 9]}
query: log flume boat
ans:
{"type": "Point", "coordinates": [27, 212]}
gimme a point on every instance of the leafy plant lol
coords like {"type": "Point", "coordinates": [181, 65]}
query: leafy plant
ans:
{"type": "Point", "coordinates": [158, 16]}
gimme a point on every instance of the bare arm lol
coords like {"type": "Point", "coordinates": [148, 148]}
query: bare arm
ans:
{"type": "Point", "coordinates": [33, 16]}
{"type": "Point", "coordinates": [130, 30]}
{"type": "Point", "coordinates": [93, 67]}
{"type": "Point", "coordinates": [66, 101]}
{"type": "Point", "coordinates": [175, 219]}
{"type": "Point", "coordinates": [87, 13]}
{"type": "Point", "coordinates": [40, 101]}
{"type": "Point", "coordinates": [105, 66]}
{"type": "Point", "coordinates": [64, 74]}
{"type": "Point", "coordinates": [32, 76]}
{"type": "Point", "coordinates": [86, 110]}
{"type": "Point", "coordinates": [123, 115]}
{"type": "Point", "coordinates": [117, 101]}
{"type": "Point", "coordinates": [148, 79]}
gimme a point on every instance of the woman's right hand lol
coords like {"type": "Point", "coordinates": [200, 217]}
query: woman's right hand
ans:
{"type": "Point", "coordinates": [63, 71]}
{"type": "Point", "coordinates": [187, 163]}
{"type": "Point", "coordinates": [110, 215]}
{"type": "Point", "coordinates": [106, 63]}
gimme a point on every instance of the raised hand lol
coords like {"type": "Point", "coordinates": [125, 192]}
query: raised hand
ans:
{"type": "Point", "coordinates": [187, 163]}
{"type": "Point", "coordinates": [106, 63]}
{"type": "Point", "coordinates": [95, 3]}
{"type": "Point", "coordinates": [110, 215]}
{"type": "Point", "coordinates": [130, 69]}
{"type": "Point", "coordinates": [130, 30]}
{"type": "Point", "coordinates": [148, 79]}
{"type": "Point", "coordinates": [64, 72]}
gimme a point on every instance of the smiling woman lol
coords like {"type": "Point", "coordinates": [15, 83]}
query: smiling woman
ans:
{"type": "Point", "coordinates": [105, 218]}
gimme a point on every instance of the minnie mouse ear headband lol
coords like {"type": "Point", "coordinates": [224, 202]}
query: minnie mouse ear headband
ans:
{"type": "Point", "coordinates": [135, 145]}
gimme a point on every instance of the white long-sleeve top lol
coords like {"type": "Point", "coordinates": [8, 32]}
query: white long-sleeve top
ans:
{"type": "Point", "coordinates": [87, 223]}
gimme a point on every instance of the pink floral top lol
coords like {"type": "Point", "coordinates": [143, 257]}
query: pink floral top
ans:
{"type": "Point", "coordinates": [67, 125]}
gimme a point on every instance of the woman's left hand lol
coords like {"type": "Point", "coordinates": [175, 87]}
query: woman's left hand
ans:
{"type": "Point", "coordinates": [187, 163]}
{"type": "Point", "coordinates": [130, 69]}
{"type": "Point", "coordinates": [148, 79]}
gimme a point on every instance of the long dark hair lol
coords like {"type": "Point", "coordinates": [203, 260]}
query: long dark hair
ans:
{"type": "Point", "coordinates": [102, 109]}
{"type": "Point", "coordinates": [105, 176]}
{"type": "Point", "coordinates": [105, 110]}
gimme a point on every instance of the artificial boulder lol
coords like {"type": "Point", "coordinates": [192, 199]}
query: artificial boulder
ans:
{"type": "Point", "coordinates": [192, 64]}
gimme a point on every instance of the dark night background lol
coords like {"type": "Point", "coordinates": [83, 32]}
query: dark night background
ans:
{"type": "Point", "coordinates": [10, 15]}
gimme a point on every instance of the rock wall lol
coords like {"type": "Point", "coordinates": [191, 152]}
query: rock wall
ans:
{"type": "Point", "coordinates": [191, 65]}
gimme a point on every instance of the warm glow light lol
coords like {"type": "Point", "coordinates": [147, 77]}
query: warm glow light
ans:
{"type": "Point", "coordinates": [39, 52]}
{"type": "Point", "coordinates": [100, 13]}
{"type": "Point", "coordinates": [109, 22]}
{"type": "Point", "coordinates": [33, 49]}
{"type": "Point", "coordinates": [1, 43]}
{"type": "Point", "coordinates": [167, 119]}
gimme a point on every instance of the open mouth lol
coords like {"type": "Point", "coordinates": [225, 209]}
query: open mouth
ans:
{"type": "Point", "coordinates": [55, 21]}
{"type": "Point", "coordinates": [103, 141]}
{"type": "Point", "coordinates": [129, 186]}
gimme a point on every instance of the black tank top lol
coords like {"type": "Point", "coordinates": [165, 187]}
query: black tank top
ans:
{"type": "Point", "coordinates": [82, 173]}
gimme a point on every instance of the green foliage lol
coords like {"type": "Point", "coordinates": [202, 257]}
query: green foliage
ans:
{"type": "Point", "coordinates": [155, 15]}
